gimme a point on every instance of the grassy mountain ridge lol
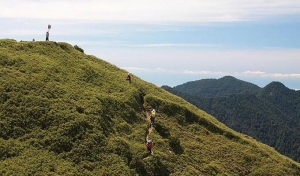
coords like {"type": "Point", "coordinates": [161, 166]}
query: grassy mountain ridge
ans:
{"type": "Point", "coordinates": [270, 114]}
{"type": "Point", "coordinates": [63, 112]}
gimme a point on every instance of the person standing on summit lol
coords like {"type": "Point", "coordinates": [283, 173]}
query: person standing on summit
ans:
{"type": "Point", "coordinates": [47, 33]}
{"type": "Point", "coordinates": [47, 36]}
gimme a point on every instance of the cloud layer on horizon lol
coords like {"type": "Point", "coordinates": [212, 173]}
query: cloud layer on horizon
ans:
{"type": "Point", "coordinates": [212, 73]}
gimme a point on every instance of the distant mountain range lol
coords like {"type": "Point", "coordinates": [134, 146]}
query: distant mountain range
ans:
{"type": "Point", "coordinates": [270, 114]}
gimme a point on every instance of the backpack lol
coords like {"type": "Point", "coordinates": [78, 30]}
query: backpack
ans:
{"type": "Point", "coordinates": [149, 144]}
{"type": "Point", "coordinates": [153, 113]}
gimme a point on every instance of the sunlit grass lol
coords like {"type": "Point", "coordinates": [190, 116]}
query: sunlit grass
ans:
{"type": "Point", "coordinates": [66, 113]}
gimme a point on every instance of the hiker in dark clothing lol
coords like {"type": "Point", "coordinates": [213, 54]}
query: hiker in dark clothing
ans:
{"type": "Point", "coordinates": [128, 78]}
{"type": "Point", "coordinates": [152, 117]}
{"type": "Point", "coordinates": [149, 145]}
{"type": "Point", "coordinates": [47, 36]}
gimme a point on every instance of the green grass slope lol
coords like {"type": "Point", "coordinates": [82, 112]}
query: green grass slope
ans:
{"type": "Point", "coordinates": [66, 113]}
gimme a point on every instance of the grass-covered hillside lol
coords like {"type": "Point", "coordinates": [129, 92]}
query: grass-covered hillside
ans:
{"type": "Point", "coordinates": [66, 113]}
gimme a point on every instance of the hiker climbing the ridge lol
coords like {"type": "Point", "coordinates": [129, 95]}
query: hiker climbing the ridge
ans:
{"type": "Point", "coordinates": [152, 117]}
{"type": "Point", "coordinates": [128, 78]}
{"type": "Point", "coordinates": [149, 145]}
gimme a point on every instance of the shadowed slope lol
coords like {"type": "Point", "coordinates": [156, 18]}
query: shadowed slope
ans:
{"type": "Point", "coordinates": [270, 115]}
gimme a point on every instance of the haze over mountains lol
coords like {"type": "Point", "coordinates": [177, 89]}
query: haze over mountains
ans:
{"type": "Point", "coordinates": [63, 112]}
{"type": "Point", "coordinates": [270, 114]}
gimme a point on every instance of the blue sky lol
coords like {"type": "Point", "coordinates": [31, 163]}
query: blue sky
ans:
{"type": "Point", "coordinates": [171, 42]}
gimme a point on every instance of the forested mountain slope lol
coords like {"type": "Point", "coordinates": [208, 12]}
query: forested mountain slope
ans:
{"type": "Point", "coordinates": [210, 88]}
{"type": "Point", "coordinates": [271, 114]}
{"type": "Point", "coordinates": [63, 112]}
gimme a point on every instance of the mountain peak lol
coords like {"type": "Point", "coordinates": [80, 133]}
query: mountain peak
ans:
{"type": "Point", "coordinates": [275, 85]}
{"type": "Point", "coordinates": [228, 78]}
{"type": "Point", "coordinates": [276, 88]}
{"type": "Point", "coordinates": [224, 86]}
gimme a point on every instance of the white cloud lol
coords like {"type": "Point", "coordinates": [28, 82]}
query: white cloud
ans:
{"type": "Point", "coordinates": [160, 45]}
{"type": "Point", "coordinates": [257, 73]}
{"type": "Point", "coordinates": [153, 70]}
{"type": "Point", "coordinates": [269, 75]}
{"type": "Point", "coordinates": [174, 45]}
{"type": "Point", "coordinates": [63, 30]}
{"type": "Point", "coordinates": [137, 69]}
{"type": "Point", "coordinates": [205, 72]}
{"type": "Point", "coordinates": [282, 75]}
{"type": "Point", "coordinates": [213, 73]}
{"type": "Point", "coordinates": [17, 32]}
{"type": "Point", "coordinates": [154, 45]}
{"type": "Point", "coordinates": [242, 74]}
{"type": "Point", "coordinates": [148, 10]}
